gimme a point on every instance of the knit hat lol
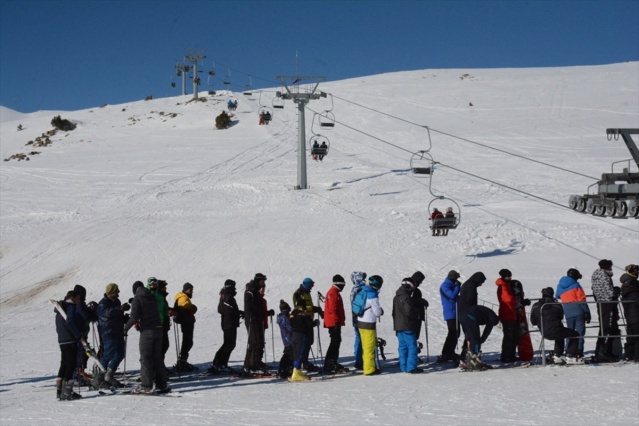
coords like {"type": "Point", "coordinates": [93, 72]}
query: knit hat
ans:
{"type": "Point", "coordinates": [408, 282]}
{"type": "Point", "coordinates": [187, 286]}
{"type": "Point", "coordinates": [284, 307]}
{"type": "Point", "coordinates": [338, 279]}
{"type": "Point", "coordinates": [453, 275]}
{"type": "Point", "coordinates": [80, 291]}
{"type": "Point", "coordinates": [548, 292]}
{"type": "Point", "coordinates": [376, 282]}
{"type": "Point", "coordinates": [112, 288]}
{"type": "Point", "coordinates": [605, 264]}
{"type": "Point", "coordinates": [505, 273]}
{"type": "Point", "coordinates": [308, 284]}
{"type": "Point", "coordinates": [259, 277]}
{"type": "Point", "coordinates": [228, 284]}
{"type": "Point", "coordinates": [418, 278]}
{"type": "Point", "coordinates": [632, 269]}
{"type": "Point", "coordinates": [136, 286]}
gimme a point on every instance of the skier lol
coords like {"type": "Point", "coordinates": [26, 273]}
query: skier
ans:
{"type": "Point", "coordinates": [254, 322]}
{"type": "Point", "coordinates": [302, 325]}
{"type": "Point", "coordinates": [449, 294]}
{"type": "Point", "coordinates": [524, 343]}
{"type": "Point", "coordinates": [576, 311]}
{"type": "Point", "coordinates": [418, 278]}
{"type": "Point", "coordinates": [86, 313]}
{"type": "Point", "coordinates": [406, 319]}
{"type": "Point", "coordinates": [366, 324]}
{"type": "Point", "coordinates": [334, 320]}
{"type": "Point", "coordinates": [359, 280]}
{"type": "Point", "coordinates": [231, 314]}
{"type": "Point", "coordinates": [302, 298]}
{"type": "Point", "coordinates": [471, 320]}
{"type": "Point", "coordinates": [604, 291]}
{"type": "Point", "coordinates": [508, 317]}
{"type": "Point", "coordinates": [69, 336]}
{"type": "Point", "coordinates": [630, 302]}
{"type": "Point", "coordinates": [285, 369]}
{"type": "Point", "coordinates": [468, 299]}
{"type": "Point", "coordinates": [145, 313]}
{"type": "Point", "coordinates": [185, 310]}
{"type": "Point", "coordinates": [549, 321]}
{"type": "Point", "coordinates": [111, 319]}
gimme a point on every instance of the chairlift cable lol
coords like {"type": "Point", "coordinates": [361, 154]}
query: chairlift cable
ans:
{"type": "Point", "coordinates": [466, 140]}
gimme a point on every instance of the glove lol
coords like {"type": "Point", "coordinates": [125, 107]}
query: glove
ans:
{"type": "Point", "coordinates": [316, 323]}
{"type": "Point", "coordinates": [171, 312]}
{"type": "Point", "coordinates": [125, 307]}
{"type": "Point", "coordinates": [126, 318]}
{"type": "Point", "coordinates": [458, 283]}
{"type": "Point", "coordinates": [271, 312]}
{"type": "Point", "coordinates": [526, 302]}
{"type": "Point", "coordinates": [241, 314]}
{"type": "Point", "coordinates": [425, 303]}
{"type": "Point", "coordinates": [321, 314]}
{"type": "Point", "coordinates": [616, 291]}
{"type": "Point", "coordinates": [137, 325]}
{"type": "Point", "coordinates": [587, 317]}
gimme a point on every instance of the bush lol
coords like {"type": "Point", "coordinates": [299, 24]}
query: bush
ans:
{"type": "Point", "coordinates": [62, 124]}
{"type": "Point", "coordinates": [222, 121]}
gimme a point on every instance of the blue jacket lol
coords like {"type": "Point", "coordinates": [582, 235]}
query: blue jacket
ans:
{"type": "Point", "coordinates": [110, 319]}
{"type": "Point", "coordinates": [68, 331]}
{"type": "Point", "coordinates": [285, 328]}
{"type": "Point", "coordinates": [449, 293]}
{"type": "Point", "coordinates": [571, 293]}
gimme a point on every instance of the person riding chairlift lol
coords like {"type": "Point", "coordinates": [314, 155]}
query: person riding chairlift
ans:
{"type": "Point", "coordinates": [436, 215]}
{"type": "Point", "coordinates": [449, 215]}
{"type": "Point", "coordinates": [314, 150]}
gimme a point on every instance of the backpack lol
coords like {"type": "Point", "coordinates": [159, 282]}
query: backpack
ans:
{"type": "Point", "coordinates": [358, 304]}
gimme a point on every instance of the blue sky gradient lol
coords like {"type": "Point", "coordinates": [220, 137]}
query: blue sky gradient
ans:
{"type": "Point", "coordinates": [71, 54]}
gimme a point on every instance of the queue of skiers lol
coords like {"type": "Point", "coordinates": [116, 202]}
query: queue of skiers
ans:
{"type": "Point", "coordinates": [150, 315]}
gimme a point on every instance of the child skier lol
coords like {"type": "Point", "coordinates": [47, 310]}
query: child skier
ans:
{"type": "Point", "coordinates": [285, 369]}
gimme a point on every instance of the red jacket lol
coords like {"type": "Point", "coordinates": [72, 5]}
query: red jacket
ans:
{"type": "Point", "coordinates": [334, 308]}
{"type": "Point", "coordinates": [507, 301]}
{"type": "Point", "coordinates": [436, 215]}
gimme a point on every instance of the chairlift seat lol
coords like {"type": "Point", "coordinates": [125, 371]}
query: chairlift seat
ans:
{"type": "Point", "coordinates": [319, 151]}
{"type": "Point", "coordinates": [421, 170]}
{"type": "Point", "coordinates": [278, 106]}
{"type": "Point", "coordinates": [327, 124]}
{"type": "Point", "coordinates": [444, 223]}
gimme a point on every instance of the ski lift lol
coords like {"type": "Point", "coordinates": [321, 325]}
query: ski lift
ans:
{"type": "Point", "coordinates": [421, 164]}
{"type": "Point", "coordinates": [319, 145]}
{"type": "Point", "coordinates": [247, 91]}
{"type": "Point", "coordinates": [448, 220]}
{"type": "Point", "coordinates": [266, 114]}
{"type": "Point", "coordinates": [327, 118]}
{"type": "Point", "coordinates": [278, 103]}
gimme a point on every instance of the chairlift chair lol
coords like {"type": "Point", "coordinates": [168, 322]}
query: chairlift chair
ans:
{"type": "Point", "coordinates": [278, 103]}
{"type": "Point", "coordinates": [266, 114]}
{"type": "Point", "coordinates": [421, 164]}
{"type": "Point", "coordinates": [444, 223]}
{"type": "Point", "coordinates": [326, 119]}
{"type": "Point", "coordinates": [319, 150]}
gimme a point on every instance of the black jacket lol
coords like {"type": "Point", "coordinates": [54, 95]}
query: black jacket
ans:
{"type": "Point", "coordinates": [630, 298]}
{"type": "Point", "coordinates": [301, 322]}
{"type": "Point", "coordinates": [407, 310]}
{"type": "Point", "coordinates": [110, 319]}
{"type": "Point", "coordinates": [468, 292]}
{"type": "Point", "coordinates": [552, 318]}
{"type": "Point", "coordinates": [67, 330]}
{"type": "Point", "coordinates": [144, 309]}
{"type": "Point", "coordinates": [253, 306]}
{"type": "Point", "coordinates": [229, 310]}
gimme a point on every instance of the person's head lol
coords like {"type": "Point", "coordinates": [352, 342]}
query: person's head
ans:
{"type": "Point", "coordinates": [453, 275]}
{"type": "Point", "coordinates": [375, 282]}
{"type": "Point", "coordinates": [152, 283]}
{"type": "Point", "coordinates": [548, 293]}
{"type": "Point", "coordinates": [435, 209]}
{"type": "Point", "coordinates": [409, 283]}
{"type": "Point", "coordinates": [505, 274]}
{"type": "Point", "coordinates": [574, 274]}
{"type": "Point", "coordinates": [187, 289]}
{"type": "Point", "coordinates": [72, 297]}
{"type": "Point", "coordinates": [285, 308]}
{"type": "Point", "coordinates": [307, 284]}
{"type": "Point", "coordinates": [112, 291]}
{"type": "Point", "coordinates": [632, 270]}
{"type": "Point", "coordinates": [449, 210]}
{"type": "Point", "coordinates": [80, 291]}
{"type": "Point", "coordinates": [259, 277]}
{"type": "Point", "coordinates": [229, 287]}
{"type": "Point", "coordinates": [338, 281]}
{"type": "Point", "coordinates": [418, 277]}
{"type": "Point", "coordinates": [162, 285]}
{"type": "Point", "coordinates": [136, 286]}
{"type": "Point", "coordinates": [605, 264]}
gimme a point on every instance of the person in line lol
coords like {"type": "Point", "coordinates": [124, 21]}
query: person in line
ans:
{"type": "Point", "coordinates": [449, 294]}
{"type": "Point", "coordinates": [185, 311]}
{"type": "Point", "coordinates": [604, 291]}
{"type": "Point", "coordinates": [359, 281]}
{"type": "Point", "coordinates": [418, 278]}
{"type": "Point", "coordinates": [471, 320]}
{"type": "Point", "coordinates": [285, 368]}
{"type": "Point", "coordinates": [549, 321]}
{"type": "Point", "coordinates": [146, 316]}
{"type": "Point", "coordinates": [366, 324]}
{"type": "Point", "coordinates": [508, 317]}
{"type": "Point", "coordinates": [406, 319]}
{"type": "Point", "coordinates": [467, 299]}
{"type": "Point", "coordinates": [111, 319]}
{"type": "Point", "coordinates": [630, 303]}
{"type": "Point", "coordinates": [576, 310]}
{"type": "Point", "coordinates": [254, 322]}
{"type": "Point", "coordinates": [302, 325]}
{"type": "Point", "coordinates": [230, 319]}
{"type": "Point", "coordinates": [303, 298]}
{"type": "Point", "coordinates": [334, 320]}
{"type": "Point", "coordinates": [69, 335]}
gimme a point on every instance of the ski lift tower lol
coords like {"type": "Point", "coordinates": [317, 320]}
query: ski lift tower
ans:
{"type": "Point", "coordinates": [194, 59]}
{"type": "Point", "coordinates": [301, 99]}
{"type": "Point", "coordinates": [180, 71]}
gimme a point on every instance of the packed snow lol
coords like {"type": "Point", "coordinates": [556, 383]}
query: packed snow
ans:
{"type": "Point", "coordinates": [151, 188]}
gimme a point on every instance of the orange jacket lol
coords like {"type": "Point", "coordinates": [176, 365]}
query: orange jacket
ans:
{"type": "Point", "coordinates": [507, 301]}
{"type": "Point", "coordinates": [334, 308]}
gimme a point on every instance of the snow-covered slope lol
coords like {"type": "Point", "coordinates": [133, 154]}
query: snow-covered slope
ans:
{"type": "Point", "coordinates": [151, 188]}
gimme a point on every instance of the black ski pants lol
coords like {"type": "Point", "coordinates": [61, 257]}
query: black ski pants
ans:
{"type": "Point", "coordinates": [285, 368]}
{"type": "Point", "coordinates": [509, 342]}
{"type": "Point", "coordinates": [187, 340]}
{"type": "Point", "coordinates": [560, 335]}
{"type": "Point", "coordinates": [151, 359]}
{"type": "Point", "coordinates": [608, 317]}
{"type": "Point", "coordinates": [224, 353]}
{"type": "Point", "coordinates": [255, 345]}
{"type": "Point", "coordinates": [448, 350]}
{"type": "Point", "coordinates": [631, 348]}
{"type": "Point", "coordinates": [332, 353]}
{"type": "Point", "coordinates": [68, 354]}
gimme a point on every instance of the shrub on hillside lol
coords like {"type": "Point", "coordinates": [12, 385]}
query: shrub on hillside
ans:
{"type": "Point", "coordinates": [62, 124]}
{"type": "Point", "coordinates": [222, 121]}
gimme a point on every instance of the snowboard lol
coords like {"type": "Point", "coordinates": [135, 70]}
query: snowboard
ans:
{"type": "Point", "coordinates": [89, 351]}
{"type": "Point", "coordinates": [525, 348]}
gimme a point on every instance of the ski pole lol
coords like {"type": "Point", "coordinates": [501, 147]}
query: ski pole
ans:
{"type": "Point", "coordinates": [272, 339]}
{"type": "Point", "coordinates": [320, 298]}
{"type": "Point", "coordinates": [125, 340]}
{"type": "Point", "coordinates": [426, 333]}
{"type": "Point", "coordinates": [177, 348]}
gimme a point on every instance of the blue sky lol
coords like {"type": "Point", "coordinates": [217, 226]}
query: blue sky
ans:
{"type": "Point", "coordinates": [73, 54]}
